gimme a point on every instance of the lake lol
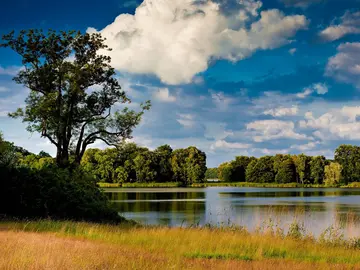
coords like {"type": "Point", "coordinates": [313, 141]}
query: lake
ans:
{"type": "Point", "coordinates": [316, 208]}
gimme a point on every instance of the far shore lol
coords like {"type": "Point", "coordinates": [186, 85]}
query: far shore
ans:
{"type": "Point", "coordinates": [221, 184]}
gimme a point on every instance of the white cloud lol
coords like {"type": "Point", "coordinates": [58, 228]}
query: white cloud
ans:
{"type": "Point", "coordinates": [186, 120]}
{"type": "Point", "coordinates": [10, 71]}
{"type": "Point", "coordinates": [336, 124]}
{"type": "Point", "coordinates": [222, 144]}
{"type": "Point", "coordinates": [282, 111]}
{"type": "Point", "coordinates": [345, 65]}
{"type": "Point", "coordinates": [319, 88]}
{"type": "Point", "coordinates": [349, 24]}
{"type": "Point", "coordinates": [220, 100]}
{"type": "Point", "coordinates": [265, 130]}
{"type": "Point", "coordinates": [305, 93]}
{"type": "Point", "coordinates": [299, 3]}
{"type": "Point", "coordinates": [305, 147]}
{"type": "Point", "coordinates": [176, 39]}
{"type": "Point", "coordinates": [292, 51]}
{"type": "Point", "coordinates": [163, 94]}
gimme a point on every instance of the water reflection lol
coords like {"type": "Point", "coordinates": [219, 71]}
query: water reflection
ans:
{"type": "Point", "coordinates": [316, 208]}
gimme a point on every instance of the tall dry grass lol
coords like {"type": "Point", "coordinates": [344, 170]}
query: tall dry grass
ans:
{"type": "Point", "coordinates": [68, 245]}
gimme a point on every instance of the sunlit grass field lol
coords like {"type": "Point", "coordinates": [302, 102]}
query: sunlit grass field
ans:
{"type": "Point", "coordinates": [70, 245]}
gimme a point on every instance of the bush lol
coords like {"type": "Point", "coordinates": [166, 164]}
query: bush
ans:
{"type": "Point", "coordinates": [51, 192]}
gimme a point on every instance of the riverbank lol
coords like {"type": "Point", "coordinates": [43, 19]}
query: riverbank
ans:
{"type": "Point", "coordinates": [222, 184]}
{"type": "Point", "coordinates": [69, 245]}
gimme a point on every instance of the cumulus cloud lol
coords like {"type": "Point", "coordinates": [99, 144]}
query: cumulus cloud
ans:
{"type": "Point", "coordinates": [265, 130]}
{"type": "Point", "coordinates": [176, 39]}
{"type": "Point", "coordinates": [222, 144]}
{"type": "Point", "coordinates": [319, 88]}
{"type": "Point", "coordinates": [299, 3]}
{"type": "Point", "coordinates": [349, 24]}
{"type": "Point", "coordinates": [345, 65]}
{"type": "Point", "coordinates": [305, 147]}
{"type": "Point", "coordinates": [336, 124]}
{"type": "Point", "coordinates": [163, 94]}
{"type": "Point", "coordinates": [282, 111]}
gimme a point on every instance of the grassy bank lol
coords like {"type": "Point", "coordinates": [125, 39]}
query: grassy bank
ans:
{"type": "Point", "coordinates": [222, 184]}
{"type": "Point", "coordinates": [68, 245]}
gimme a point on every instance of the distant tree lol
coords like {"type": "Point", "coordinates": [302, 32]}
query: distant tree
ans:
{"type": "Point", "coordinates": [286, 172]}
{"type": "Point", "coordinates": [261, 170]}
{"type": "Point", "coordinates": [225, 171]}
{"type": "Point", "coordinates": [195, 165]}
{"type": "Point", "coordinates": [43, 154]}
{"type": "Point", "coordinates": [317, 169]}
{"type": "Point", "coordinates": [188, 165]}
{"type": "Point", "coordinates": [348, 156]}
{"type": "Point", "coordinates": [332, 174]}
{"type": "Point", "coordinates": [71, 102]}
{"type": "Point", "coordinates": [239, 166]}
{"type": "Point", "coordinates": [211, 173]}
{"type": "Point", "coordinates": [302, 165]}
{"type": "Point", "coordinates": [145, 167]}
{"type": "Point", "coordinates": [163, 164]}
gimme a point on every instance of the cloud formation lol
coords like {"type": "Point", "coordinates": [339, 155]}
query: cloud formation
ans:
{"type": "Point", "coordinates": [176, 40]}
{"type": "Point", "coordinates": [336, 124]}
{"type": "Point", "coordinates": [265, 130]}
{"type": "Point", "coordinates": [349, 24]}
{"type": "Point", "coordinates": [345, 65]}
{"type": "Point", "coordinates": [282, 111]}
{"type": "Point", "coordinates": [299, 3]}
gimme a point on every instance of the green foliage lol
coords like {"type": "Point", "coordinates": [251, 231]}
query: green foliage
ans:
{"type": "Point", "coordinates": [239, 166]}
{"type": "Point", "coordinates": [188, 165]}
{"type": "Point", "coordinates": [286, 171]}
{"type": "Point", "coordinates": [226, 171]}
{"type": "Point", "coordinates": [211, 173]}
{"type": "Point", "coordinates": [317, 169]}
{"type": "Point", "coordinates": [60, 69]}
{"type": "Point", "coordinates": [348, 156]}
{"type": "Point", "coordinates": [302, 165]}
{"type": "Point", "coordinates": [332, 174]}
{"type": "Point", "coordinates": [131, 163]}
{"type": "Point", "coordinates": [261, 170]}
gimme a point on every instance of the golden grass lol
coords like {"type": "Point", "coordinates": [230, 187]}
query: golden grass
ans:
{"type": "Point", "coordinates": [68, 245]}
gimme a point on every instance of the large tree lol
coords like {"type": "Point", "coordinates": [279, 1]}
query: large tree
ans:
{"type": "Point", "coordinates": [75, 98]}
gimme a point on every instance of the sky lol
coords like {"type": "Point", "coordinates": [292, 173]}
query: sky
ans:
{"type": "Point", "coordinates": [231, 77]}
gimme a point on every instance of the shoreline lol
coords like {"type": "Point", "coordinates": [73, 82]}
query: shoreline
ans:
{"type": "Point", "coordinates": [223, 184]}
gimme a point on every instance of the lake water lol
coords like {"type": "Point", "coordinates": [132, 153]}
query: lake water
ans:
{"type": "Point", "coordinates": [316, 208]}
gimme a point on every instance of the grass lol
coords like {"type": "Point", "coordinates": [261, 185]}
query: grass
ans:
{"type": "Point", "coordinates": [70, 245]}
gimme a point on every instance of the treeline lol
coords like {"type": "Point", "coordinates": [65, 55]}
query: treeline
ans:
{"type": "Point", "coordinates": [130, 163]}
{"type": "Point", "coordinates": [303, 169]}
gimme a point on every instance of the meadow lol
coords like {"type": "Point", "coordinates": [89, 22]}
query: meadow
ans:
{"type": "Point", "coordinates": [75, 245]}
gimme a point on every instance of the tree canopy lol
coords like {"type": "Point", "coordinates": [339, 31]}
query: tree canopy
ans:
{"type": "Point", "coordinates": [75, 98]}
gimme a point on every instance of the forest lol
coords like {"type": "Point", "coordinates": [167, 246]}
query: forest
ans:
{"type": "Point", "coordinates": [302, 169]}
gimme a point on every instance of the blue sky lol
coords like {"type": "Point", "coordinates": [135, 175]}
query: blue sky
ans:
{"type": "Point", "coordinates": [232, 77]}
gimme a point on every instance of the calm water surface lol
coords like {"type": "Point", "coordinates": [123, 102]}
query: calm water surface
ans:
{"type": "Point", "coordinates": [317, 208]}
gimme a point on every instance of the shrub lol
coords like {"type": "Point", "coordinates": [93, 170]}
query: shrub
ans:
{"type": "Point", "coordinates": [55, 193]}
